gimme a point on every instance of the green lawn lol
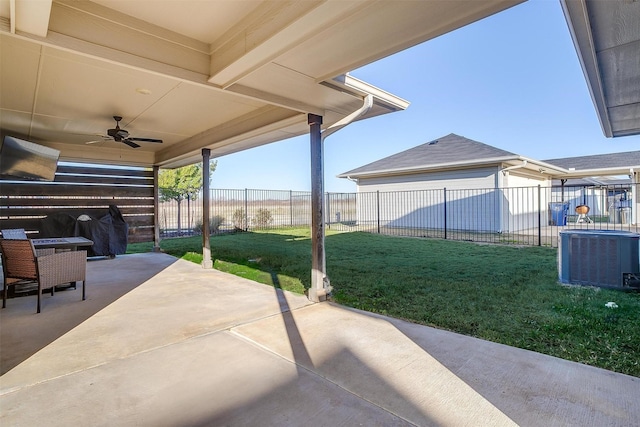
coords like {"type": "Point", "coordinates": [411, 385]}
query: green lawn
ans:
{"type": "Point", "coordinates": [499, 293]}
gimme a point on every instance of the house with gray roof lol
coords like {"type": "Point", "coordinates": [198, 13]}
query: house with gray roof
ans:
{"type": "Point", "coordinates": [474, 186]}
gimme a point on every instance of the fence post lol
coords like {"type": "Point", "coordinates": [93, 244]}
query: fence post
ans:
{"type": "Point", "coordinates": [246, 210]}
{"type": "Point", "coordinates": [327, 211]}
{"type": "Point", "coordinates": [291, 208]}
{"type": "Point", "coordinates": [156, 210]}
{"type": "Point", "coordinates": [445, 212]}
{"type": "Point", "coordinates": [378, 209]}
{"type": "Point", "coordinates": [540, 216]}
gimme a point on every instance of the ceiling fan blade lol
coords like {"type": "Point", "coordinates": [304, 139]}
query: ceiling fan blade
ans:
{"type": "Point", "coordinates": [103, 139]}
{"type": "Point", "coordinates": [159, 141]}
{"type": "Point", "coordinates": [129, 143]}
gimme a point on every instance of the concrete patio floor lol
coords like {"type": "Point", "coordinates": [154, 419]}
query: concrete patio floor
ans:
{"type": "Point", "coordinates": [163, 342]}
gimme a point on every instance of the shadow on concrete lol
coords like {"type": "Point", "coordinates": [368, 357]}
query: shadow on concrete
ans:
{"type": "Point", "coordinates": [23, 332]}
{"type": "Point", "coordinates": [310, 397]}
{"type": "Point", "coordinates": [300, 353]}
{"type": "Point", "coordinates": [328, 400]}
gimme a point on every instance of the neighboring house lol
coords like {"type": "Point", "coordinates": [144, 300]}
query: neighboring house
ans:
{"type": "Point", "coordinates": [481, 185]}
{"type": "Point", "coordinates": [603, 190]}
{"type": "Point", "coordinates": [600, 194]}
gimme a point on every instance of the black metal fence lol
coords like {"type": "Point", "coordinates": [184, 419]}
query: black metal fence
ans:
{"type": "Point", "coordinates": [523, 215]}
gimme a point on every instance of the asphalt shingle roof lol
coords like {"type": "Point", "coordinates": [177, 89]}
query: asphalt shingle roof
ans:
{"type": "Point", "coordinates": [598, 161]}
{"type": "Point", "coordinates": [448, 149]}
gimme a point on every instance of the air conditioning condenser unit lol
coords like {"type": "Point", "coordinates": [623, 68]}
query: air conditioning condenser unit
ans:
{"type": "Point", "coordinates": [606, 258]}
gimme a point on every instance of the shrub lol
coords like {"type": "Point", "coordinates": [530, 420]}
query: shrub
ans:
{"type": "Point", "coordinates": [240, 220]}
{"type": "Point", "coordinates": [214, 224]}
{"type": "Point", "coordinates": [262, 218]}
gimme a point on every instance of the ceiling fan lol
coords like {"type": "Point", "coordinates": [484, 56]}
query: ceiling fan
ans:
{"type": "Point", "coordinates": [122, 135]}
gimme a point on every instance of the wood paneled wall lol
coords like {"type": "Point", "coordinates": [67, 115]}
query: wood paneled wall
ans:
{"type": "Point", "coordinates": [79, 190]}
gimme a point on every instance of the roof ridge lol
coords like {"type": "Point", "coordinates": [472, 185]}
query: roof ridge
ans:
{"type": "Point", "coordinates": [451, 148]}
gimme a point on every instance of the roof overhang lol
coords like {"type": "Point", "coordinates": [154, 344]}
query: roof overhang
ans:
{"type": "Point", "coordinates": [226, 76]}
{"type": "Point", "coordinates": [506, 163]}
{"type": "Point", "coordinates": [503, 162]}
{"type": "Point", "coordinates": [587, 173]}
{"type": "Point", "coordinates": [606, 35]}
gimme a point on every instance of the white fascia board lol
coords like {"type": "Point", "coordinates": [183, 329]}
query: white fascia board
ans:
{"type": "Point", "coordinates": [395, 102]}
{"type": "Point", "coordinates": [548, 167]}
{"type": "Point", "coordinates": [360, 89]}
{"type": "Point", "coordinates": [427, 168]}
{"type": "Point", "coordinates": [581, 173]}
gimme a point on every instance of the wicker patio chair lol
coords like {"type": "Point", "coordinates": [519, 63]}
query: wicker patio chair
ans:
{"type": "Point", "coordinates": [20, 265]}
{"type": "Point", "coordinates": [20, 234]}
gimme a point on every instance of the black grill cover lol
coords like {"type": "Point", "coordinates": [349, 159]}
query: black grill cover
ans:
{"type": "Point", "coordinates": [109, 232]}
{"type": "Point", "coordinates": [118, 233]}
{"type": "Point", "coordinates": [58, 225]}
{"type": "Point", "coordinates": [96, 229]}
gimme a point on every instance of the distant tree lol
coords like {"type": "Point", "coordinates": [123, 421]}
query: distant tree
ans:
{"type": "Point", "coordinates": [181, 184]}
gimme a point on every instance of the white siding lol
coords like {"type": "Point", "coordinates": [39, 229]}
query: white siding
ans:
{"type": "Point", "coordinates": [456, 179]}
{"type": "Point", "coordinates": [522, 203]}
{"type": "Point", "coordinates": [517, 180]}
{"type": "Point", "coordinates": [418, 200]}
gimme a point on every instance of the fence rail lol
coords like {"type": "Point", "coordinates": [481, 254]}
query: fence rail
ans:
{"type": "Point", "coordinates": [523, 215]}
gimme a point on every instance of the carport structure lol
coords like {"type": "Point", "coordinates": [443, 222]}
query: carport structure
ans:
{"type": "Point", "coordinates": [209, 78]}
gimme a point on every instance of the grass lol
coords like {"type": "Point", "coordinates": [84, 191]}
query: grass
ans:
{"type": "Point", "coordinates": [499, 293]}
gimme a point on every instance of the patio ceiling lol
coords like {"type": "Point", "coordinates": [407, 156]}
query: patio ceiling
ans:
{"type": "Point", "coordinates": [606, 35]}
{"type": "Point", "coordinates": [224, 75]}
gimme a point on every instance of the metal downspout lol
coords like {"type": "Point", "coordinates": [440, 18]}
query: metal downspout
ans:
{"type": "Point", "coordinates": [320, 285]}
{"type": "Point", "coordinates": [366, 106]}
{"type": "Point", "coordinates": [504, 171]}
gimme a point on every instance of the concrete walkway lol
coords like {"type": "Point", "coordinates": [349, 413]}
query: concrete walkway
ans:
{"type": "Point", "coordinates": [181, 346]}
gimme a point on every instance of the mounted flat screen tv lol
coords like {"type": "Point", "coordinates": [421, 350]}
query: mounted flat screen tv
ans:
{"type": "Point", "coordinates": [20, 159]}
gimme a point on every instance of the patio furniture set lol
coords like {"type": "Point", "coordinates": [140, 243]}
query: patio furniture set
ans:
{"type": "Point", "coordinates": [45, 262]}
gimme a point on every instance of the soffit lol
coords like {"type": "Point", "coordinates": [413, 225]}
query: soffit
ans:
{"type": "Point", "coordinates": [606, 35]}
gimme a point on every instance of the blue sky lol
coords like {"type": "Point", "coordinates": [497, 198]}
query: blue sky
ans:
{"type": "Point", "coordinates": [512, 81]}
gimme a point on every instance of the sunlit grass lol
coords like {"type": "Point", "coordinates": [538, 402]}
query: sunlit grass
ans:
{"type": "Point", "coordinates": [504, 294]}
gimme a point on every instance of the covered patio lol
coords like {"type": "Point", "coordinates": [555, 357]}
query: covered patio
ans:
{"type": "Point", "coordinates": [206, 79]}
{"type": "Point", "coordinates": [161, 341]}
{"type": "Point", "coordinates": [181, 345]}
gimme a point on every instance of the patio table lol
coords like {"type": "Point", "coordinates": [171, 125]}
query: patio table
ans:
{"type": "Point", "coordinates": [62, 243]}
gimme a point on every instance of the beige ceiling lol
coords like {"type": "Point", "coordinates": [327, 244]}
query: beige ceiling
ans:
{"type": "Point", "coordinates": [224, 75]}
